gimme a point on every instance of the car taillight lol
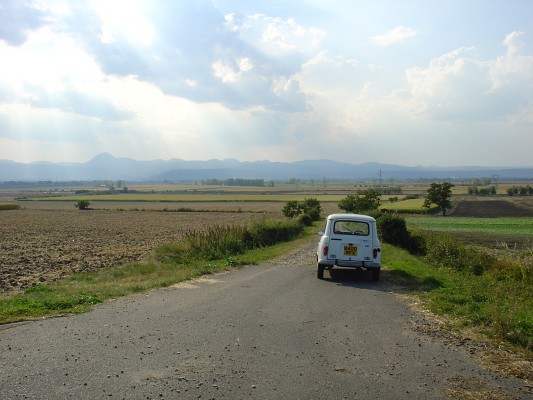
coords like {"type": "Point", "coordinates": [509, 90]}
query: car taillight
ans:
{"type": "Point", "coordinates": [325, 250]}
{"type": "Point", "coordinates": [376, 251]}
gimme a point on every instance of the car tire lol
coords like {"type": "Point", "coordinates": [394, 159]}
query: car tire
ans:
{"type": "Point", "coordinates": [320, 271]}
{"type": "Point", "coordinates": [375, 274]}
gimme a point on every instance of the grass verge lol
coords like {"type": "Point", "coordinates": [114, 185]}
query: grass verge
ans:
{"type": "Point", "coordinates": [501, 307]}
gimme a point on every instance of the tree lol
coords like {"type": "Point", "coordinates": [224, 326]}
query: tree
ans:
{"type": "Point", "coordinates": [312, 208]}
{"type": "Point", "coordinates": [82, 204]}
{"type": "Point", "coordinates": [439, 194]}
{"type": "Point", "coordinates": [367, 200]}
{"type": "Point", "coordinates": [292, 209]}
{"type": "Point", "coordinates": [307, 211]}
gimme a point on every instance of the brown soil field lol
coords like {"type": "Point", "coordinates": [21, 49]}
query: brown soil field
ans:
{"type": "Point", "coordinates": [46, 241]}
{"type": "Point", "coordinates": [494, 207]}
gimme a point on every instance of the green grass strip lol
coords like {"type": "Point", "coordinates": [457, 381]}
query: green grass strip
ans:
{"type": "Point", "coordinates": [502, 308]}
{"type": "Point", "coordinates": [499, 226]}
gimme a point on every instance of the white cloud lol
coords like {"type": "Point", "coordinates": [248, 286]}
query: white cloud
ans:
{"type": "Point", "coordinates": [460, 86]}
{"type": "Point", "coordinates": [48, 59]}
{"type": "Point", "coordinates": [396, 35]}
{"type": "Point", "coordinates": [274, 35]}
{"type": "Point", "coordinates": [64, 79]}
{"type": "Point", "coordinates": [225, 72]}
{"type": "Point", "coordinates": [124, 20]}
{"type": "Point", "coordinates": [341, 93]}
{"type": "Point", "coordinates": [512, 69]}
{"type": "Point", "coordinates": [245, 64]}
{"type": "Point", "coordinates": [513, 42]}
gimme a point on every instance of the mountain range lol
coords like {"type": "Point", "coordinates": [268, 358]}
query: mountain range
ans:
{"type": "Point", "coordinates": [107, 167]}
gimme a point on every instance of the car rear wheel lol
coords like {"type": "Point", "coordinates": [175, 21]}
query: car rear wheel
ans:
{"type": "Point", "coordinates": [320, 271]}
{"type": "Point", "coordinates": [375, 274]}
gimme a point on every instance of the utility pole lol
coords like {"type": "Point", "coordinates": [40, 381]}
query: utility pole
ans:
{"type": "Point", "coordinates": [380, 172]}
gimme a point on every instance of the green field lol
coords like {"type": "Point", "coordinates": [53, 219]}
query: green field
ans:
{"type": "Point", "coordinates": [494, 226]}
{"type": "Point", "coordinates": [404, 205]}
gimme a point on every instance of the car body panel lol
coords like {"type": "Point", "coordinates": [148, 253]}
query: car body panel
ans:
{"type": "Point", "coordinates": [349, 240]}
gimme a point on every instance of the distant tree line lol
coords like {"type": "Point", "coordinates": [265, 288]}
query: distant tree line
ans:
{"type": "Point", "coordinates": [520, 191]}
{"type": "Point", "coordinates": [475, 191]}
{"type": "Point", "coordinates": [389, 190]}
{"type": "Point", "coordinates": [234, 182]}
{"type": "Point", "coordinates": [111, 184]}
{"type": "Point", "coordinates": [481, 181]}
{"type": "Point", "coordinates": [111, 190]}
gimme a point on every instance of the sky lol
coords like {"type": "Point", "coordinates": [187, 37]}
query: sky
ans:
{"type": "Point", "coordinates": [432, 83]}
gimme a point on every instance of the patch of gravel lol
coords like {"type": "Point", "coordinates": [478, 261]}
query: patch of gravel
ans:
{"type": "Point", "coordinates": [303, 254]}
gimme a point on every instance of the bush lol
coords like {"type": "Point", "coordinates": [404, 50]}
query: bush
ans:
{"type": "Point", "coordinates": [220, 242]}
{"type": "Point", "coordinates": [393, 230]}
{"type": "Point", "coordinates": [268, 233]}
{"type": "Point", "coordinates": [82, 204]}
{"type": "Point", "coordinates": [291, 209]}
{"type": "Point", "coordinates": [9, 206]}
{"type": "Point", "coordinates": [367, 200]}
{"type": "Point", "coordinates": [305, 219]}
{"type": "Point", "coordinates": [312, 209]}
{"type": "Point", "coordinates": [216, 242]}
{"type": "Point", "coordinates": [307, 211]}
{"type": "Point", "coordinates": [445, 252]}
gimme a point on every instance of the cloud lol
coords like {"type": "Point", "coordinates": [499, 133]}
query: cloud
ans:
{"type": "Point", "coordinates": [50, 71]}
{"type": "Point", "coordinates": [397, 35]}
{"type": "Point", "coordinates": [512, 70]}
{"type": "Point", "coordinates": [197, 53]}
{"type": "Point", "coordinates": [275, 36]}
{"type": "Point", "coordinates": [17, 18]}
{"type": "Point", "coordinates": [227, 72]}
{"type": "Point", "coordinates": [190, 51]}
{"type": "Point", "coordinates": [460, 86]}
{"type": "Point", "coordinates": [513, 42]}
{"type": "Point", "coordinates": [341, 92]}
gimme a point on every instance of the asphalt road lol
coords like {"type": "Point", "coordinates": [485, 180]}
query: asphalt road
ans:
{"type": "Point", "coordinates": [265, 332]}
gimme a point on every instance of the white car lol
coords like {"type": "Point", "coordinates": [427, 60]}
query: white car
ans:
{"type": "Point", "coordinates": [349, 240]}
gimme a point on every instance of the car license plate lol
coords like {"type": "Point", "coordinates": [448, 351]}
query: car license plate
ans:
{"type": "Point", "coordinates": [350, 250]}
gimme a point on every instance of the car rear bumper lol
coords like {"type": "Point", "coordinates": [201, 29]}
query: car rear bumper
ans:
{"type": "Point", "coordinates": [352, 264]}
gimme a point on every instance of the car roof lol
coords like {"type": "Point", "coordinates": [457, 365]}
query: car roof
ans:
{"type": "Point", "coordinates": [358, 217]}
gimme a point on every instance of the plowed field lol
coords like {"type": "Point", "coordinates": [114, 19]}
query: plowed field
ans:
{"type": "Point", "coordinates": [42, 245]}
{"type": "Point", "coordinates": [521, 207]}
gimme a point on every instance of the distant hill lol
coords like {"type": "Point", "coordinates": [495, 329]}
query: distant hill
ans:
{"type": "Point", "coordinates": [107, 167]}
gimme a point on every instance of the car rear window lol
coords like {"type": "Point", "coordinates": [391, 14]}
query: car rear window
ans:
{"type": "Point", "coordinates": [358, 228]}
